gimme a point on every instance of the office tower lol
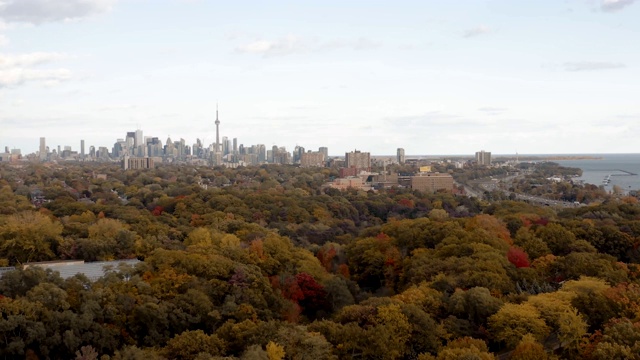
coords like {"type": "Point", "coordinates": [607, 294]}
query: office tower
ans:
{"type": "Point", "coordinates": [43, 149]}
{"type": "Point", "coordinates": [59, 150]}
{"type": "Point", "coordinates": [180, 148]}
{"type": "Point", "coordinates": [139, 138]}
{"type": "Point", "coordinates": [274, 153]}
{"type": "Point", "coordinates": [217, 149]}
{"type": "Point", "coordinates": [130, 140]}
{"type": "Point", "coordinates": [66, 152]}
{"type": "Point", "coordinates": [483, 158]}
{"type": "Point", "coordinates": [361, 161]}
{"type": "Point", "coordinates": [154, 147]}
{"type": "Point", "coordinates": [82, 148]}
{"type": "Point", "coordinates": [262, 153]}
{"type": "Point", "coordinates": [103, 153]}
{"type": "Point", "coordinates": [281, 156]}
{"type": "Point", "coordinates": [138, 143]}
{"type": "Point", "coordinates": [118, 148]}
{"type": "Point", "coordinates": [325, 151]}
{"type": "Point", "coordinates": [400, 155]}
{"type": "Point", "coordinates": [169, 148]}
{"type": "Point", "coordinates": [297, 151]}
{"type": "Point", "coordinates": [235, 146]}
{"type": "Point", "coordinates": [226, 146]}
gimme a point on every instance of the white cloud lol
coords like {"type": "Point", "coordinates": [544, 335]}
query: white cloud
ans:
{"type": "Point", "coordinates": [32, 59]}
{"type": "Point", "coordinates": [3, 40]}
{"type": "Point", "coordinates": [615, 5]}
{"type": "Point", "coordinates": [13, 77]}
{"type": "Point", "coordinates": [591, 66]}
{"type": "Point", "coordinates": [41, 11]}
{"type": "Point", "coordinates": [294, 45]}
{"type": "Point", "coordinates": [356, 44]}
{"type": "Point", "coordinates": [478, 30]}
{"type": "Point", "coordinates": [283, 46]}
{"type": "Point", "coordinates": [492, 111]}
{"type": "Point", "coordinates": [18, 69]}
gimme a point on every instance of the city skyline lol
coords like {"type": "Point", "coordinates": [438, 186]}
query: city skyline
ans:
{"type": "Point", "coordinates": [433, 78]}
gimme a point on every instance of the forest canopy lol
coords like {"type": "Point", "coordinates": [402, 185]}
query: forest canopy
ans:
{"type": "Point", "coordinates": [267, 263]}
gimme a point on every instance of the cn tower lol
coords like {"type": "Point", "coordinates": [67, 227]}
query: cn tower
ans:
{"type": "Point", "coordinates": [217, 130]}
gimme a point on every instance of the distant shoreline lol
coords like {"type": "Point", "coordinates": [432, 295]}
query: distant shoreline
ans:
{"type": "Point", "coordinates": [557, 157]}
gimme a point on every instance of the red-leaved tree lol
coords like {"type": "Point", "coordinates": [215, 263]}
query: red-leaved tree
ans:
{"type": "Point", "coordinates": [518, 257]}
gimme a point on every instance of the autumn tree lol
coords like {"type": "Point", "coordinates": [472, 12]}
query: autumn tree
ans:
{"type": "Point", "coordinates": [29, 236]}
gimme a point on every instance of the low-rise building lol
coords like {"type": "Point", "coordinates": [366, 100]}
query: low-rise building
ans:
{"type": "Point", "coordinates": [349, 182]}
{"type": "Point", "coordinates": [432, 182]}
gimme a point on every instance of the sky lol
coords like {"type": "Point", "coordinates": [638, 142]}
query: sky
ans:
{"type": "Point", "coordinates": [433, 77]}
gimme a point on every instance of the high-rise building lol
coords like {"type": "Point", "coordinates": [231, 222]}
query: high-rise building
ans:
{"type": "Point", "coordinates": [138, 139]}
{"type": "Point", "coordinates": [43, 149]}
{"type": "Point", "coordinates": [261, 151]}
{"type": "Point", "coordinates": [361, 161]}
{"type": "Point", "coordinates": [483, 158]}
{"type": "Point", "coordinates": [400, 156]}
{"type": "Point", "coordinates": [297, 152]}
{"type": "Point", "coordinates": [137, 163]}
{"type": "Point", "coordinates": [82, 148]}
{"type": "Point", "coordinates": [312, 159]}
{"type": "Point", "coordinates": [325, 151]}
{"type": "Point", "coordinates": [225, 145]}
{"type": "Point", "coordinates": [235, 146]}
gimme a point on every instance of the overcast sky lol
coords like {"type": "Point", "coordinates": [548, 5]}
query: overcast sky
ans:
{"type": "Point", "coordinates": [433, 77]}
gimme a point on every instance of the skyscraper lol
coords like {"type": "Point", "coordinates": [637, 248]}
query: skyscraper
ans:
{"type": "Point", "coordinates": [139, 143]}
{"type": "Point", "coordinates": [138, 139]}
{"type": "Point", "coordinates": [226, 145]}
{"type": "Point", "coordinates": [43, 149]}
{"type": "Point", "coordinates": [217, 131]}
{"type": "Point", "coordinates": [400, 156]}
{"type": "Point", "coordinates": [82, 148]}
{"type": "Point", "coordinates": [325, 151]}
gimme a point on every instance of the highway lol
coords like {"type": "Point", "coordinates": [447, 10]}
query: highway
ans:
{"type": "Point", "coordinates": [476, 188]}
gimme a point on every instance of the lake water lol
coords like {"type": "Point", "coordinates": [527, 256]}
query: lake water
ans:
{"type": "Point", "coordinates": [594, 171]}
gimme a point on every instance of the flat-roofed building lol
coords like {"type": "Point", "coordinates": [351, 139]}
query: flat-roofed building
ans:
{"type": "Point", "coordinates": [432, 182]}
{"type": "Point", "coordinates": [400, 156]}
{"type": "Point", "coordinates": [346, 183]}
{"type": "Point", "coordinates": [312, 159]}
{"type": "Point", "coordinates": [483, 158]}
{"type": "Point", "coordinates": [359, 160]}
{"type": "Point", "coordinates": [137, 163]}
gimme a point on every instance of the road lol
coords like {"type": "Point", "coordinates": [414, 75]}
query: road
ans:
{"type": "Point", "coordinates": [476, 188]}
